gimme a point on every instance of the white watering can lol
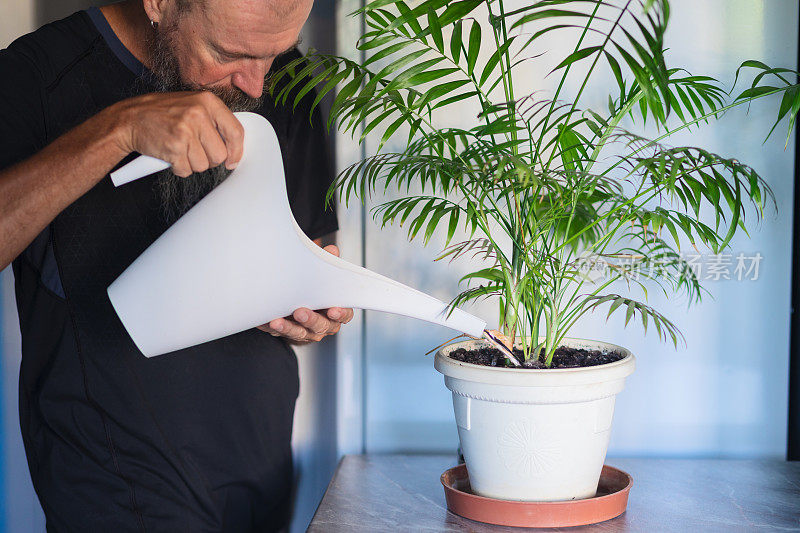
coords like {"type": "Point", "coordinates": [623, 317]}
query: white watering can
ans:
{"type": "Point", "coordinates": [238, 259]}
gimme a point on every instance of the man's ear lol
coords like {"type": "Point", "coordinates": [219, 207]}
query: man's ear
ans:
{"type": "Point", "coordinates": [156, 9]}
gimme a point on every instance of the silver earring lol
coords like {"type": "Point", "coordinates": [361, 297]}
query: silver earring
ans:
{"type": "Point", "coordinates": [154, 24]}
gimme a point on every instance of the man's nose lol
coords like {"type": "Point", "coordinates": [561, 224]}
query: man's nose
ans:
{"type": "Point", "coordinates": [251, 79]}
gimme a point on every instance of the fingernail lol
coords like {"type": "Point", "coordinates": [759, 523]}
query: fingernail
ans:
{"type": "Point", "coordinates": [231, 166]}
{"type": "Point", "coordinates": [335, 314]}
{"type": "Point", "coordinates": [278, 327]}
{"type": "Point", "coordinates": [302, 316]}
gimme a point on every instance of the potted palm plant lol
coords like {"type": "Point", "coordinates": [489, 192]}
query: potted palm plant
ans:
{"type": "Point", "coordinates": [568, 211]}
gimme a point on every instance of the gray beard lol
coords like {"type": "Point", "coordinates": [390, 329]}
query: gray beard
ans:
{"type": "Point", "coordinates": [177, 195]}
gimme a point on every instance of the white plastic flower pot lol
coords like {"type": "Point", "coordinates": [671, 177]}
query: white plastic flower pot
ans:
{"type": "Point", "coordinates": [534, 435]}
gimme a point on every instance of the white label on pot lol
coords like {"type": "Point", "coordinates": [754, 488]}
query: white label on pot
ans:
{"type": "Point", "coordinates": [604, 413]}
{"type": "Point", "coordinates": [462, 407]}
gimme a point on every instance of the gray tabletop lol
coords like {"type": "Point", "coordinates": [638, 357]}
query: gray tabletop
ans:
{"type": "Point", "coordinates": [402, 493]}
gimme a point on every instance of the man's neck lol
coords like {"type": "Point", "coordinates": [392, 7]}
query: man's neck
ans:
{"type": "Point", "coordinates": [132, 27]}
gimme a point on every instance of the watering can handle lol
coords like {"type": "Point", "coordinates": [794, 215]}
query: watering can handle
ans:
{"type": "Point", "coordinates": [142, 166]}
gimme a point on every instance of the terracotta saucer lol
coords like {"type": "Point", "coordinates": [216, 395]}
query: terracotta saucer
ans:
{"type": "Point", "coordinates": [610, 502]}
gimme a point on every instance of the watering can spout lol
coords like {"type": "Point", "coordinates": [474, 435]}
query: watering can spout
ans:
{"type": "Point", "coordinates": [364, 289]}
{"type": "Point", "coordinates": [217, 272]}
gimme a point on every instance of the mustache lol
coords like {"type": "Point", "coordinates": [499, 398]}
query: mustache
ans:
{"type": "Point", "coordinates": [235, 98]}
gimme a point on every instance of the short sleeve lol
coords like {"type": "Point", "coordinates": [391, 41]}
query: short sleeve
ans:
{"type": "Point", "coordinates": [309, 169]}
{"type": "Point", "coordinates": [22, 129]}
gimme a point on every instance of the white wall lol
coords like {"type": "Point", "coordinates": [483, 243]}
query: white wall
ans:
{"type": "Point", "coordinates": [350, 354]}
{"type": "Point", "coordinates": [725, 394]}
{"type": "Point", "coordinates": [23, 513]}
{"type": "Point", "coordinates": [16, 18]}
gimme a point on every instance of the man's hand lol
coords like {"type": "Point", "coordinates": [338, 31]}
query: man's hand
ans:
{"type": "Point", "coordinates": [305, 326]}
{"type": "Point", "coordinates": [192, 131]}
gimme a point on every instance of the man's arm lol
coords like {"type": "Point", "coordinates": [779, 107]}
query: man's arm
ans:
{"type": "Point", "coordinates": [192, 131]}
{"type": "Point", "coordinates": [34, 191]}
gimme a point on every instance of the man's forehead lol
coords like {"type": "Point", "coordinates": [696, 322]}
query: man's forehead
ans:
{"type": "Point", "coordinates": [271, 11]}
{"type": "Point", "coordinates": [238, 51]}
{"type": "Point", "coordinates": [255, 27]}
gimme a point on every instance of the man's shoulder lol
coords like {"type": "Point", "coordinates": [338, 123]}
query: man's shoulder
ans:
{"type": "Point", "coordinates": [56, 46]}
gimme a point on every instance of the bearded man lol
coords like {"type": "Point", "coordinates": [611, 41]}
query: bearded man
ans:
{"type": "Point", "coordinates": [196, 440]}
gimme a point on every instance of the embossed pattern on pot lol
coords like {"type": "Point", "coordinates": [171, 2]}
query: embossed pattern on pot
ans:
{"type": "Point", "coordinates": [527, 451]}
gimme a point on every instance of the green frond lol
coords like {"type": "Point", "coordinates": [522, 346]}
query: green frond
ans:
{"type": "Point", "coordinates": [633, 309]}
{"type": "Point", "coordinates": [540, 183]}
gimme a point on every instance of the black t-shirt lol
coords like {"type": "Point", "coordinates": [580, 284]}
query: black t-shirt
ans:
{"type": "Point", "coordinates": [196, 440]}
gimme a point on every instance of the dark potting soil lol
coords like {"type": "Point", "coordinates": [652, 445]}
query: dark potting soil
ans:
{"type": "Point", "coordinates": [565, 357]}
